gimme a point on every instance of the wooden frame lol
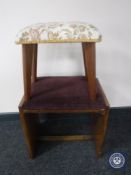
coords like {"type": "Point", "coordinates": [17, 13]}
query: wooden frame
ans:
{"type": "Point", "coordinates": [30, 119]}
{"type": "Point", "coordinates": [27, 69]}
{"type": "Point", "coordinates": [90, 67]}
{"type": "Point", "coordinates": [30, 125]}
{"type": "Point", "coordinates": [34, 63]}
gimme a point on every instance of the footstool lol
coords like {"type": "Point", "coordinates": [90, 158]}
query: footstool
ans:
{"type": "Point", "coordinates": [68, 94]}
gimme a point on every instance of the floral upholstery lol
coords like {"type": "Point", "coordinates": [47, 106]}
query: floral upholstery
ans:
{"type": "Point", "coordinates": [58, 32]}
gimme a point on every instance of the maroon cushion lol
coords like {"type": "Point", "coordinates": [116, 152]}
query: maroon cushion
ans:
{"type": "Point", "coordinates": [63, 93]}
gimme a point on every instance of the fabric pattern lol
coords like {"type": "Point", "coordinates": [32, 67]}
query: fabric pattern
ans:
{"type": "Point", "coordinates": [58, 32]}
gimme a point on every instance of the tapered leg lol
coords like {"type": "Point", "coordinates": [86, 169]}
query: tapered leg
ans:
{"type": "Point", "coordinates": [27, 50]}
{"type": "Point", "coordinates": [100, 127]}
{"type": "Point", "coordinates": [85, 65]}
{"type": "Point", "coordinates": [90, 66]}
{"type": "Point", "coordinates": [30, 125]}
{"type": "Point", "coordinates": [34, 63]}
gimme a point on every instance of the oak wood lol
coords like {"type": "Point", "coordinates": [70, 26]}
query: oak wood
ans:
{"type": "Point", "coordinates": [66, 138]}
{"type": "Point", "coordinates": [27, 50]}
{"type": "Point", "coordinates": [100, 111]}
{"type": "Point", "coordinates": [34, 63]}
{"type": "Point", "coordinates": [64, 111]}
{"type": "Point", "coordinates": [90, 64]}
{"type": "Point", "coordinates": [103, 95]}
{"type": "Point", "coordinates": [29, 117]}
{"type": "Point", "coordinates": [101, 122]}
{"type": "Point", "coordinates": [85, 65]}
{"type": "Point", "coordinates": [30, 126]}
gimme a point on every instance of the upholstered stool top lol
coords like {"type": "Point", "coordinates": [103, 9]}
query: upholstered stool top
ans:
{"type": "Point", "coordinates": [57, 32]}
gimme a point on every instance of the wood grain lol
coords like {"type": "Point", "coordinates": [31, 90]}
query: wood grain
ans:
{"type": "Point", "coordinates": [66, 138]}
{"type": "Point", "coordinates": [100, 128]}
{"type": "Point", "coordinates": [30, 125]}
{"type": "Point", "coordinates": [27, 50]}
{"type": "Point", "coordinates": [34, 63]}
{"type": "Point", "coordinates": [30, 117]}
{"type": "Point", "coordinates": [85, 65]}
{"type": "Point", "coordinates": [90, 64]}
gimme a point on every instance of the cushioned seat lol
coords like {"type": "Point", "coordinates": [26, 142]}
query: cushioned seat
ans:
{"type": "Point", "coordinates": [58, 32]}
{"type": "Point", "coordinates": [62, 93]}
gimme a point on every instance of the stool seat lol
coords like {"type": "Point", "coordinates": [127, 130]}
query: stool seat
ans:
{"type": "Point", "coordinates": [63, 93]}
{"type": "Point", "coordinates": [58, 32]}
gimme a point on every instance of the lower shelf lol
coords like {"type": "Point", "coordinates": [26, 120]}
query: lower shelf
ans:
{"type": "Point", "coordinates": [64, 93]}
{"type": "Point", "coordinates": [66, 138]}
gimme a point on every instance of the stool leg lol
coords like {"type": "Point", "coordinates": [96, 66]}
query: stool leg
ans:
{"type": "Point", "coordinates": [85, 66]}
{"type": "Point", "coordinates": [30, 124]}
{"type": "Point", "coordinates": [34, 63]}
{"type": "Point", "coordinates": [90, 65]}
{"type": "Point", "coordinates": [101, 122]}
{"type": "Point", "coordinates": [27, 50]}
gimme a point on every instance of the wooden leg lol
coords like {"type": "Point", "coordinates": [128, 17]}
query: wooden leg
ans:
{"type": "Point", "coordinates": [27, 50]}
{"type": "Point", "coordinates": [85, 66]}
{"type": "Point", "coordinates": [30, 124]}
{"type": "Point", "coordinates": [90, 64]}
{"type": "Point", "coordinates": [101, 122]}
{"type": "Point", "coordinates": [34, 63]}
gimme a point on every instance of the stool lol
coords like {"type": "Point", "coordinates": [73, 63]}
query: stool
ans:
{"type": "Point", "coordinates": [70, 94]}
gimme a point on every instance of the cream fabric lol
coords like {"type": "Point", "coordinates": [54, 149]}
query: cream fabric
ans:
{"type": "Point", "coordinates": [58, 32]}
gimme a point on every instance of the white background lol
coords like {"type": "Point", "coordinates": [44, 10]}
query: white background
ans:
{"type": "Point", "coordinates": [112, 17]}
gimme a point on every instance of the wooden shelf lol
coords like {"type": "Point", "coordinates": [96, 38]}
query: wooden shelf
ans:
{"type": "Point", "coordinates": [64, 94]}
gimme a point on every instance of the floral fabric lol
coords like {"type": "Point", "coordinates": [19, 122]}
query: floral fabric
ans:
{"type": "Point", "coordinates": [58, 32]}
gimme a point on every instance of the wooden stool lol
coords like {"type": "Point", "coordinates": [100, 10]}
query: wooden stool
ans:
{"type": "Point", "coordinates": [61, 94]}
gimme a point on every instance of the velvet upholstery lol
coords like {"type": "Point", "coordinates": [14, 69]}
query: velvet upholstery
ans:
{"type": "Point", "coordinates": [63, 93]}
